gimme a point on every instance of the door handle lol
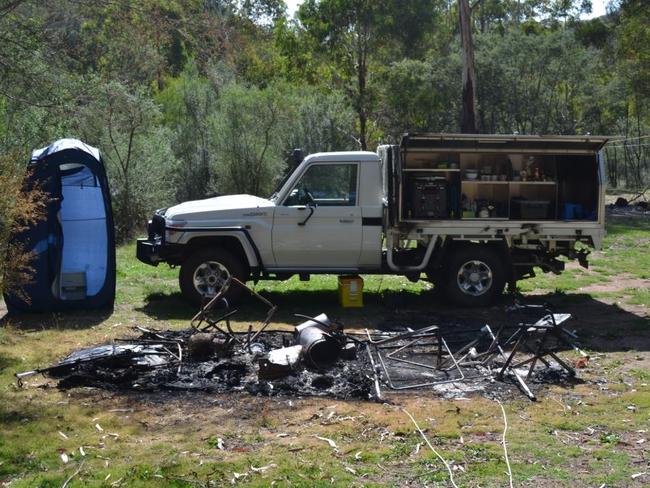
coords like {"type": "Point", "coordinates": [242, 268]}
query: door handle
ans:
{"type": "Point", "coordinates": [346, 221]}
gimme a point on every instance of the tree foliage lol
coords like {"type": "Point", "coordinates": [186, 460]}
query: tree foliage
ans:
{"type": "Point", "coordinates": [191, 98]}
{"type": "Point", "coordinates": [351, 38]}
{"type": "Point", "coordinates": [19, 208]}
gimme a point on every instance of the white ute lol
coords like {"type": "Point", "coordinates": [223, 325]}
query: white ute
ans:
{"type": "Point", "coordinates": [467, 212]}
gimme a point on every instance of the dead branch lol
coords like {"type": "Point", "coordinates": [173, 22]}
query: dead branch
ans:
{"type": "Point", "coordinates": [503, 442]}
{"type": "Point", "coordinates": [81, 465]}
{"type": "Point", "coordinates": [451, 474]}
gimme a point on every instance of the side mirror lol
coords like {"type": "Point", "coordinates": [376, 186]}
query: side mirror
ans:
{"type": "Point", "coordinates": [311, 212]}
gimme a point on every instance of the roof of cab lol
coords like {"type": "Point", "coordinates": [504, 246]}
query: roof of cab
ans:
{"type": "Point", "coordinates": [503, 143]}
{"type": "Point", "coordinates": [344, 156]}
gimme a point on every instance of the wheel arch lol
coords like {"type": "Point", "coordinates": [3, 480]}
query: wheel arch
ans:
{"type": "Point", "coordinates": [450, 246]}
{"type": "Point", "coordinates": [237, 243]}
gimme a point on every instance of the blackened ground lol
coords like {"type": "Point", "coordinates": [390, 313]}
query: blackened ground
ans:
{"type": "Point", "coordinates": [345, 379]}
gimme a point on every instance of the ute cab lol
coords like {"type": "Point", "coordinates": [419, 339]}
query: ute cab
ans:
{"type": "Point", "coordinates": [325, 218]}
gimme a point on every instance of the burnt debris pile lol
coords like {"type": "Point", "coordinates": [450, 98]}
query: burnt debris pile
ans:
{"type": "Point", "coordinates": [190, 360]}
{"type": "Point", "coordinates": [320, 358]}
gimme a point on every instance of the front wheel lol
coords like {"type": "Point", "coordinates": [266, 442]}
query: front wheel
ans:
{"type": "Point", "coordinates": [474, 276]}
{"type": "Point", "coordinates": [204, 273]}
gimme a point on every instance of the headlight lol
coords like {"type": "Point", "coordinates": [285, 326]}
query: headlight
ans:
{"type": "Point", "coordinates": [174, 224]}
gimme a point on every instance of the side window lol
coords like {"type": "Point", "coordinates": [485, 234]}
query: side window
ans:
{"type": "Point", "coordinates": [326, 185]}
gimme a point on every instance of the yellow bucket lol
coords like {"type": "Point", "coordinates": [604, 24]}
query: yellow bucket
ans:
{"type": "Point", "coordinates": [351, 291]}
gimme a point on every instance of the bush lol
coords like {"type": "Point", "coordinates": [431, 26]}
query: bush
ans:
{"type": "Point", "coordinates": [19, 208]}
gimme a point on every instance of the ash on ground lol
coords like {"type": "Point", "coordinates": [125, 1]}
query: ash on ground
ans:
{"type": "Point", "coordinates": [235, 371]}
{"type": "Point", "coordinates": [152, 362]}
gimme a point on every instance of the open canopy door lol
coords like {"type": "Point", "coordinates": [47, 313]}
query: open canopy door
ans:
{"type": "Point", "coordinates": [503, 143]}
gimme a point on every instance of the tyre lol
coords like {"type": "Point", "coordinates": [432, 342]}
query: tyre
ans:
{"type": "Point", "coordinates": [474, 276]}
{"type": "Point", "coordinates": [204, 272]}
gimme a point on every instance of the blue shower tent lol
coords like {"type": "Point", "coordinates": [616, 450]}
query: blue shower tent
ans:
{"type": "Point", "coordinates": [74, 246]}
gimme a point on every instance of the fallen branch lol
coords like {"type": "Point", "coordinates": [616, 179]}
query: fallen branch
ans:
{"type": "Point", "coordinates": [81, 465]}
{"type": "Point", "coordinates": [329, 441]}
{"type": "Point", "coordinates": [451, 474]}
{"type": "Point", "coordinates": [503, 441]}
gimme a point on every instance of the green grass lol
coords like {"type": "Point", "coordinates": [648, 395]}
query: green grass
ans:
{"type": "Point", "coordinates": [624, 256]}
{"type": "Point", "coordinates": [625, 249]}
{"type": "Point", "coordinates": [171, 440]}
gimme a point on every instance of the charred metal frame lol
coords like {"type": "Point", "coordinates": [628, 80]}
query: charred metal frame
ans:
{"type": "Point", "coordinates": [549, 327]}
{"type": "Point", "coordinates": [203, 314]}
{"type": "Point", "coordinates": [416, 336]}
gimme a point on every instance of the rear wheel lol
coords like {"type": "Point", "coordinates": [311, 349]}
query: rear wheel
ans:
{"type": "Point", "coordinates": [474, 276]}
{"type": "Point", "coordinates": [204, 273]}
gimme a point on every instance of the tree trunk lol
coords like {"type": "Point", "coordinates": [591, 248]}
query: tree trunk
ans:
{"type": "Point", "coordinates": [468, 110]}
{"type": "Point", "coordinates": [362, 72]}
{"type": "Point", "coordinates": [613, 169]}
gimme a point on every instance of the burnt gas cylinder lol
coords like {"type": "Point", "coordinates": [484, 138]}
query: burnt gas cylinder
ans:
{"type": "Point", "coordinates": [319, 347]}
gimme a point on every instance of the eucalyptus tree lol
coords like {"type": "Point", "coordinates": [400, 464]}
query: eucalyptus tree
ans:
{"type": "Point", "coordinates": [354, 39]}
{"type": "Point", "coordinates": [536, 84]}
{"type": "Point", "coordinates": [125, 123]}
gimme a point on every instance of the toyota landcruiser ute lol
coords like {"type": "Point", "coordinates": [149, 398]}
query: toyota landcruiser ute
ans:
{"type": "Point", "coordinates": [470, 213]}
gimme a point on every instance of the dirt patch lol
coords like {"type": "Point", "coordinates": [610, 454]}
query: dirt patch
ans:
{"type": "Point", "coordinates": [617, 284]}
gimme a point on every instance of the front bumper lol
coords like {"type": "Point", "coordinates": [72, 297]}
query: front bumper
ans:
{"type": "Point", "coordinates": [148, 252]}
{"type": "Point", "coordinates": [154, 251]}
